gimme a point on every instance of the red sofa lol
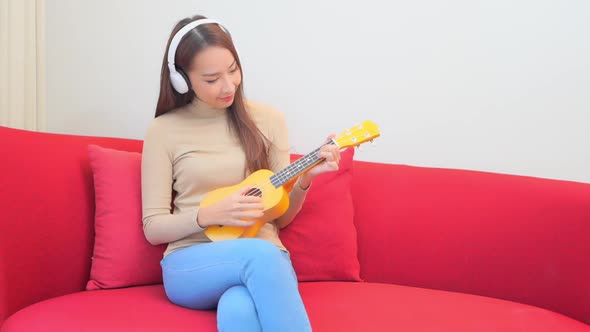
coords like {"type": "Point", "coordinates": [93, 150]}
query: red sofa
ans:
{"type": "Point", "coordinates": [439, 250]}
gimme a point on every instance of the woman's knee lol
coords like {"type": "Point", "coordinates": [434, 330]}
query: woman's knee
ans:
{"type": "Point", "coordinates": [236, 311]}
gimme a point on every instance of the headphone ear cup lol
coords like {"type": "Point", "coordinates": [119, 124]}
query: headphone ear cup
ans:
{"type": "Point", "coordinates": [180, 81]}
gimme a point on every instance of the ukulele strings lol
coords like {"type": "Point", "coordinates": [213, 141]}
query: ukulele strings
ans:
{"type": "Point", "coordinates": [351, 133]}
{"type": "Point", "coordinates": [262, 188]}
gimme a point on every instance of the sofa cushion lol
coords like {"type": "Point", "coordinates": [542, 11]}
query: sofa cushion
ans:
{"type": "Point", "coordinates": [122, 256]}
{"type": "Point", "coordinates": [386, 307]}
{"type": "Point", "coordinates": [142, 308]}
{"type": "Point", "coordinates": [322, 238]}
{"type": "Point", "coordinates": [332, 306]}
{"type": "Point", "coordinates": [121, 250]}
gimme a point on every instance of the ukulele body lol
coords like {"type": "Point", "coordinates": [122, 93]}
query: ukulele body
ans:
{"type": "Point", "coordinates": [275, 201]}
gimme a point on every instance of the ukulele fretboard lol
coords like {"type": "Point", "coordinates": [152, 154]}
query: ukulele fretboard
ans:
{"type": "Point", "coordinates": [298, 167]}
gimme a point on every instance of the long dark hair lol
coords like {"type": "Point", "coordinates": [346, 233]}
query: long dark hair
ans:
{"type": "Point", "coordinates": [254, 143]}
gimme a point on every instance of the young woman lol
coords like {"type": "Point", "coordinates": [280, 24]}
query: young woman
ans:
{"type": "Point", "coordinates": [205, 135]}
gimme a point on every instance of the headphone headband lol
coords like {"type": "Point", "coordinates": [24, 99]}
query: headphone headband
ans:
{"type": "Point", "coordinates": [178, 81]}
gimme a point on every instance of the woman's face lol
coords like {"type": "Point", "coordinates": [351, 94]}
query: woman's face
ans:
{"type": "Point", "coordinates": [215, 76]}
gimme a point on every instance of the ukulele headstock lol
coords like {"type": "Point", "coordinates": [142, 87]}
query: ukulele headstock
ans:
{"type": "Point", "coordinates": [358, 134]}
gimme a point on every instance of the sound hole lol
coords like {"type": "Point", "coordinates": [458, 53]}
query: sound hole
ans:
{"type": "Point", "coordinates": [254, 192]}
{"type": "Point", "coordinates": [251, 192]}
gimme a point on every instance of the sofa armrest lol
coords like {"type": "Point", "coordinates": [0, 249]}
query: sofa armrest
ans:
{"type": "Point", "coordinates": [47, 223]}
{"type": "Point", "coordinates": [512, 237]}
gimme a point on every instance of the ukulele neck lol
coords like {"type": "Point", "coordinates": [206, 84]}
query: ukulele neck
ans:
{"type": "Point", "coordinates": [298, 167]}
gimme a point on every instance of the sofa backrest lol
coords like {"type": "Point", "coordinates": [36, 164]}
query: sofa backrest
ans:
{"type": "Point", "coordinates": [514, 237]}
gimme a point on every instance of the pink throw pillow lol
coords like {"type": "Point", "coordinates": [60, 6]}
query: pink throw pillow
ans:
{"type": "Point", "coordinates": [122, 256]}
{"type": "Point", "coordinates": [322, 238]}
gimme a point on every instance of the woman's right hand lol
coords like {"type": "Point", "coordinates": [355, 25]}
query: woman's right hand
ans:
{"type": "Point", "coordinates": [235, 210]}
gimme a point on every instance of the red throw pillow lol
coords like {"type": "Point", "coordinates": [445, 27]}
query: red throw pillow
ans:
{"type": "Point", "coordinates": [122, 256]}
{"type": "Point", "coordinates": [322, 238]}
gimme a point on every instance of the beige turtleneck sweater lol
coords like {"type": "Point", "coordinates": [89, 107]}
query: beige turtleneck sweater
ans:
{"type": "Point", "coordinates": [191, 151]}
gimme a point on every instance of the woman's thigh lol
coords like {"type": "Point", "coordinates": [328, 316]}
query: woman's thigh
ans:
{"type": "Point", "coordinates": [197, 276]}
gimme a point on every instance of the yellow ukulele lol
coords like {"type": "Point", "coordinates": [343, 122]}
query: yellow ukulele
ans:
{"type": "Point", "coordinates": [271, 186]}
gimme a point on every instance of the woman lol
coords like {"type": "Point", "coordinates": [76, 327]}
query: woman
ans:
{"type": "Point", "coordinates": [206, 136]}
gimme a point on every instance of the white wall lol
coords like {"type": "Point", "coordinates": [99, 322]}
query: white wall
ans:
{"type": "Point", "coordinates": [500, 85]}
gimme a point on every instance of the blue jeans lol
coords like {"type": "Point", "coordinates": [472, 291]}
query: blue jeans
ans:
{"type": "Point", "coordinates": [251, 282]}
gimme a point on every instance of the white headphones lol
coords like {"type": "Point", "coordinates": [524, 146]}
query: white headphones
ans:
{"type": "Point", "coordinates": [179, 80]}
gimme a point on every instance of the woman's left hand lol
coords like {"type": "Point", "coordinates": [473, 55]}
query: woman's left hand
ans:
{"type": "Point", "coordinates": [331, 155]}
